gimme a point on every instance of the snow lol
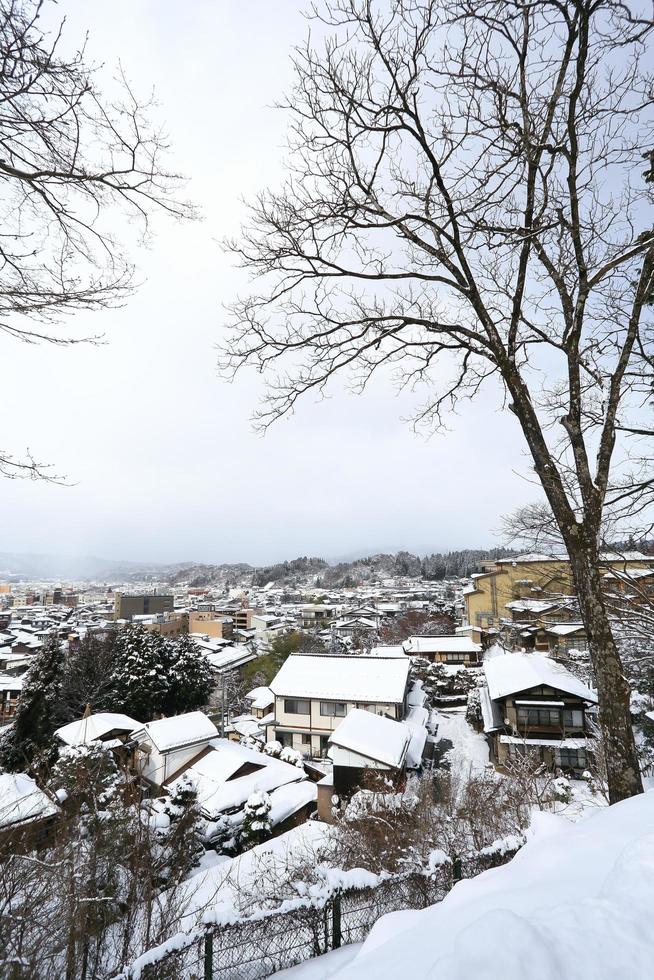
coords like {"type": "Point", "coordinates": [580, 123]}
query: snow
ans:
{"type": "Point", "coordinates": [343, 678]}
{"type": "Point", "coordinates": [94, 727]}
{"type": "Point", "coordinates": [374, 737]}
{"type": "Point", "coordinates": [21, 800]}
{"type": "Point", "coordinates": [564, 743]}
{"type": "Point", "coordinates": [417, 696]}
{"type": "Point", "coordinates": [322, 967]}
{"type": "Point", "coordinates": [172, 733]}
{"type": "Point", "coordinates": [220, 788]}
{"type": "Point", "coordinates": [287, 800]}
{"type": "Point", "coordinates": [515, 672]}
{"type": "Point", "coordinates": [260, 698]}
{"type": "Point", "coordinates": [565, 629]}
{"type": "Point", "coordinates": [575, 902]}
{"type": "Point", "coordinates": [394, 651]}
{"type": "Point", "coordinates": [469, 750]}
{"type": "Point", "coordinates": [417, 645]}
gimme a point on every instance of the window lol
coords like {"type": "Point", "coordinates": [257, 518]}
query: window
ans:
{"type": "Point", "coordinates": [333, 709]}
{"type": "Point", "coordinates": [573, 718]}
{"type": "Point", "coordinates": [306, 739]}
{"type": "Point", "coordinates": [295, 707]}
{"type": "Point", "coordinates": [539, 717]}
{"type": "Point", "coordinates": [572, 758]}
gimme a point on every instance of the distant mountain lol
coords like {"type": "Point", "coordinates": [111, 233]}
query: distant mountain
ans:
{"type": "Point", "coordinates": [314, 571]}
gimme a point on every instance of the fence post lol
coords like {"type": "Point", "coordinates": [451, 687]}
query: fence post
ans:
{"type": "Point", "coordinates": [208, 956]}
{"type": "Point", "coordinates": [336, 921]}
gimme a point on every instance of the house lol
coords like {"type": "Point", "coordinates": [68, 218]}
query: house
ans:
{"type": "Point", "coordinates": [565, 637]}
{"type": "Point", "coordinates": [365, 743]}
{"type": "Point", "coordinates": [262, 701]}
{"type": "Point", "coordinates": [458, 649]}
{"type": "Point", "coordinates": [229, 773]}
{"type": "Point", "coordinates": [165, 748]}
{"type": "Point", "coordinates": [314, 692]}
{"type": "Point", "coordinates": [28, 815]}
{"type": "Point", "coordinates": [10, 691]}
{"type": "Point", "coordinates": [317, 614]}
{"type": "Point", "coordinates": [105, 726]}
{"type": "Point", "coordinates": [532, 702]}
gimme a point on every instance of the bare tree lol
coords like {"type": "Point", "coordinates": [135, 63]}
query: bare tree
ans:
{"type": "Point", "coordinates": [467, 199]}
{"type": "Point", "coordinates": [74, 165]}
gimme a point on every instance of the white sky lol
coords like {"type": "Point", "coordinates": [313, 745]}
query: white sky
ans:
{"type": "Point", "coordinates": [165, 463]}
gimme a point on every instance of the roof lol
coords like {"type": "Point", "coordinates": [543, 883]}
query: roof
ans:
{"type": "Point", "coordinates": [94, 727]}
{"type": "Point", "coordinates": [260, 697]}
{"type": "Point", "coordinates": [490, 712]}
{"type": "Point", "coordinates": [565, 629]}
{"type": "Point", "coordinates": [343, 678]}
{"type": "Point", "coordinates": [218, 786]}
{"type": "Point", "coordinates": [441, 644]}
{"type": "Point", "coordinates": [21, 800]}
{"type": "Point", "coordinates": [374, 737]}
{"type": "Point", "coordinates": [172, 733]}
{"type": "Point", "coordinates": [511, 673]}
{"type": "Point", "coordinates": [394, 651]}
{"type": "Point", "coordinates": [555, 743]}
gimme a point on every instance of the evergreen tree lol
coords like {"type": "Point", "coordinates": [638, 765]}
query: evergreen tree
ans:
{"type": "Point", "coordinates": [156, 675]}
{"type": "Point", "coordinates": [183, 840]}
{"type": "Point", "coordinates": [190, 680]}
{"type": "Point", "coordinates": [256, 823]}
{"type": "Point", "coordinates": [38, 713]}
{"type": "Point", "coordinates": [141, 673]}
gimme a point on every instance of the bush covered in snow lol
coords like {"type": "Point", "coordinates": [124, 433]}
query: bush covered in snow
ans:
{"type": "Point", "coordinates": [256, 820]}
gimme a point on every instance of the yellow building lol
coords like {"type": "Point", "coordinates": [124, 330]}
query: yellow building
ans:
{"type": "Point", "coordinates": [529, 576]}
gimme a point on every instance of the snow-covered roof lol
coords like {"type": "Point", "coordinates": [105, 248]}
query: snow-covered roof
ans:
{"type": "Point", "coordinates": [556, 743]}
{"type": "Point", "coordinates": [531, 605]}
{"type": "Point", "coordinates": [511, 673]}
{"type": "Point", "coordinates": [441, 644]}
{"type": "Point", "coordinates": [96, 726]}
{"type": "Point", "coordinates": [9, 683]}
{"type": "Point", "coordinates": [219, 787]}
{"type": "Point", "coordinates": [343, 678]}
{"type": "Point", "coordinates": [21, 800]}
{"type": "Point", "coordinates": [565, 629]}
{"type": "Point", "coordinates": [260, 697]}
{"type": "Point", "coordinates": [288, 799]}
{"type": "Point", "coordinates": [172, 733]}
{"type": "Point", "coordinates": [490, 712]}
{"type": "Point", "coordinates": [394, 651]}
{"type": "Point", "coordinates": [373, 736]}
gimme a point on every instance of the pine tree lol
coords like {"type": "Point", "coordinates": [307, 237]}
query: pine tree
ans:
{"type": "Point", "coordinates": [256, 822]}
{"type": "Point", "coordinates": [38, 712]}
{"type": "Point", "coordinates": [191, 678]}
{"type": "Point", "coordinates": [183, 840]}
{"type": "Point", "coordinates": [155, 675]}
{"type": "Point", "coordinates": [142, 672]}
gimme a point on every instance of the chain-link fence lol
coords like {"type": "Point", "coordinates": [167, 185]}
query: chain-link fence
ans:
{"type": "Point", "coordinates": [262, 945]}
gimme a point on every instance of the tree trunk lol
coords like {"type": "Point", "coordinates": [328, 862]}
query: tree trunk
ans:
{"type": "Point", "coordinates": [623, 770]}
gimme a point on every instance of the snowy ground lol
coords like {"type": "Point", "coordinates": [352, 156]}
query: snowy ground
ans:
{"type": "Point", "coordinates": [469, 752]}
{"type": "Point", "coordinates": [221, 885]}
{"type": "Point", "coordinates": [574, 903]}
{"type": "Point", "coordinates": [322, 967]}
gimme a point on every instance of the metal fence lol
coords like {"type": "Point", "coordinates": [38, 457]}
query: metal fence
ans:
{"type": "Point", "coordinates": [262, 945]}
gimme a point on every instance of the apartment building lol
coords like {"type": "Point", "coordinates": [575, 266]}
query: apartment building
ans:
{"type": "Point", "coordinates": [531, 576]}
{"type": "Point", "coordinates": [127, 606]}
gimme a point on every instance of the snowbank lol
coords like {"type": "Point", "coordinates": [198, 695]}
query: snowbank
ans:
{"type": "Point", "coordinates": [575, 902]}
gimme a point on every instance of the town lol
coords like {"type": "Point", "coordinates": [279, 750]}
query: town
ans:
{"type": "Point", "coordinates": [310, 712]}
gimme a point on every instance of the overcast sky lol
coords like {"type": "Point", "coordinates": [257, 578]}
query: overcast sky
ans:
{"type": "Point", "coordinates": [165, 464]}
